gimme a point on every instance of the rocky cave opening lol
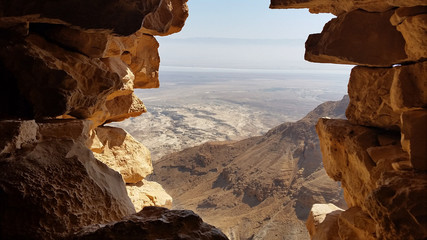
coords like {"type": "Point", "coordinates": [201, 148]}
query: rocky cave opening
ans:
{"type": "Point", "coordinates": [68, 67]}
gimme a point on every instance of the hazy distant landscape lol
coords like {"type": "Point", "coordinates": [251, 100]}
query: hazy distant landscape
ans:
{"type": "Point", "coordinates": [196, 105]}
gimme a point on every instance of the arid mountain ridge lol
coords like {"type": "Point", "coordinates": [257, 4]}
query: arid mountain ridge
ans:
{"type": "Point", "coordinates": [257, 188]}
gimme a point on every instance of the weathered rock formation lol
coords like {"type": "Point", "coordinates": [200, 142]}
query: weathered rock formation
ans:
{"type": "Point", "coordinates": [258, 188]}
{"type": "Point", "coordinates": [66, 68]}
{"type": "Point", "coordinates": [380, 154]}
{"type": "Point", "coordinates": [152, 224]}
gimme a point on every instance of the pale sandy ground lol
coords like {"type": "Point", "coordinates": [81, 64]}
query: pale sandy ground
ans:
{"type": "Point", "coordinates": [193, 107]}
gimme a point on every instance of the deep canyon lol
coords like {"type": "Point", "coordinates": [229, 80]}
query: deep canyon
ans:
{"type": "Point", "coordinates": [70, 67]}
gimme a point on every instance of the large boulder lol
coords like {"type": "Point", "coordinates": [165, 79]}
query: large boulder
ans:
{"type": "Point", "coordinates": [322, 222]}
{"type": "Point", "coordinates": [341, 6]}
{"type": "Point", "coordinates": [351, 38]}
{"type": "Point", "coordinates": [154, 223]}
{"type": "Point", "coordinates": [52, 185]}
{"type": "Point", "coordinates": [121, 152]}
{"type": "Point", "coordinates": [147, 193]}
{"type": "Point", "coordinates": [378, 96]}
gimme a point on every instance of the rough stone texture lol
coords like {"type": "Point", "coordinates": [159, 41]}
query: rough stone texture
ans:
{"type": "Point", "coordinates": [414, 140]}
{"type": "Point", "coordinates": [148, 193]}
{"type": "Point", "coordinates": [351, 38]}
{"type": "Point", "coordinates": [345, 157]}
{"type": "Point", "coordinates": [356, 224]}
{"type": "Point", "coordinates": [380, 153]}
{"type": "Point", "coordinates": [54, 85]}
{"type": "Point", "coordinates": [121, 152]}
{"type": "Point", "coordinates": [340, 6]}
{"type": "Point", "coordinates": [78, 64]}
{"type": "Point", "coordinates": [336, 7]}
{"type": "Point", "coordinates": [370, 100]}
{"type": "Point", "coordinates": [168, 18]}
{"type": "Point", "coordinates": [322, 223]}
{"type": "Point", "coordinates": [68, 60]}
{"type": "Point", "coordinates": [404, 12]}
{"type": "Point", "coordinates": [154, 223]}
{"type": "Point", "coordinates": [378, 96]}
{"type": "Point", "coordinates": [143, 59]}
{"type": "Point", "coordinates": [414, 31]}
{"type": "Point", "coordinates": [52, 185]}
{"type": "Point", "coordinates": [398, 206]}
{"type": "Point", "coordinates": [118, 16]}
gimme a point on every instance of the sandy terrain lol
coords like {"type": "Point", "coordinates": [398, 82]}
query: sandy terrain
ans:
{"type": "Point", "coordinates": [194, 106]}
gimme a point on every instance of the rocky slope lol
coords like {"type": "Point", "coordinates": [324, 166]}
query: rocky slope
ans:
{"type": "Point", "coordinates": [379, 154]}
{"type": "Point", "coordinates": [67, 68]}
{"type": "Point", "coordinates": [258, 188]}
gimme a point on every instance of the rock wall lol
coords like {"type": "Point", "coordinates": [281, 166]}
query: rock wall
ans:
{"type": "Point", "coordinates": [66, 69]}
{"type": "Point", "coordinates": [380, 153]}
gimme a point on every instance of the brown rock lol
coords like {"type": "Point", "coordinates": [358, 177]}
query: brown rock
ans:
{"type": "Point", "coordinates": [90, 43]}
{"type": "Point", "coordinates": [144, 62]}
{"type": "Point", "coordinates": [123, 107]}
{"type": "Point", "coordinates": [139, 52]}
{"type": "Point", "coordinates": [370, 100]}
{"type": "Point", "coordinates": [54, 186]}
{"type": "Point", "coordinates": [351, 38]}
{"type": "Point", "coordinates": [154, 223]}
{"type": "Point", "coordinates": [398, 206]}
{"type": "Point", "coordinates": [378, 96]}
{"type": "Point", "coordinates": [340, 6]}
{"type": "Point", "coordinates": [16, 135]}
{"type": "Point", "coordinates": [414, 140]}
{"type": "Point", "coordinates": [55, 82]}
{"type": "Point", "coordinates": [414, 31]}
{"type": "Point", "coordinates": [409, 88]}
{"type": "Point", "coordinates": [322, 223]}
{"type": "Point", "coordinates": [356, 225]}
{"type": "Point", "coordinates": [147, 193]}
{"type": "Point", "coordinates": [407, 3]}
{"type": "Point", "coordinates": [121, 152]}
{"type": "Point", "coordinates": [335, 7]}
{"type": "Point", "coordinates": [120, 17]}
{"type": "Point", "coordinates": [404, 12]}
{"type": "Point", "coordinates": [168, 18]}
{"type": "Point", "coordinates": [345, 157]}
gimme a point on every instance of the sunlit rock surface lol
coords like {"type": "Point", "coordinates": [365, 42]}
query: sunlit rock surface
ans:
{"type": "Point", "coordinates": [67, 68]}
{"type": "Point", "coordinates": [148, 193]}
{"type": "Point", "coordinates": [121, 152]}
{"type": "Point", "coordinates": [322, 222]}
{"type": "Point", "coordinates": [379, 154]}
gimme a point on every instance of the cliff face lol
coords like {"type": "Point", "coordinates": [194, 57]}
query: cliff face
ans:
{"type": "Point", "coordinates": [380, 153]}
{"type": "Point", "coordinates": [66, 68]}
{"type": "Point", "coordinates": [258, 188]}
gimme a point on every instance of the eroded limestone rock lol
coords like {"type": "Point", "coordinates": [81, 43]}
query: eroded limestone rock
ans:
{"type": "Point", "coordinates": [147, 193]}
{"type": "Point", "coordinates": [120, 17]}
{"type": "Point", "coordinates": [351, 38]}
{"type": "Point", "coordinates": [414, 31]}
{"type": "Point", "coordinates": [52, 185]}
{"type": "Point", "coordinates": [322, 223]}
{"type": "Point", "coordinates": [351, 155]}
{"type": "Point", "coordinates": [121, 152]}
{"type": "Point", "coordinates": [168, 18]}
{"type": "Point", "coordinates": [356, 224]}
{"type": "Point", "coordinates": [340, 6]}
{"type": "Point", "coordinates": [398, 205]}
{"type": "Point", "coordinates": [414, 140]}
{"type": "Point", "coordinates": [378, 96]}
{"type": "Point", "coordinates": [154, 223]}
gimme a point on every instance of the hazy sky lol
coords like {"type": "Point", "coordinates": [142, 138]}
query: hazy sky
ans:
{"type": "Point", "coordinates": [249, 19]}
{"type": "Point", "coordinates": [243, 34]}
